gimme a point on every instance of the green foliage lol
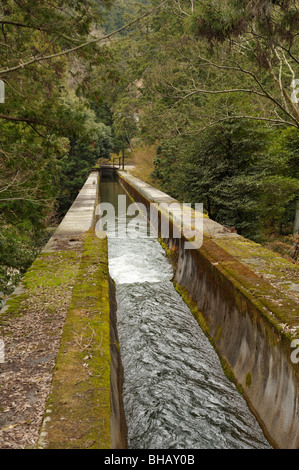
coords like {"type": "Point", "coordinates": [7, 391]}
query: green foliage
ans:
{"type": "Point", "coordinates": [220, 170]}
{"type": "Point", "coordinates": [19, 246]}
{"type": "Point", "coordinates": [213, 95]}
{"type": "Point", "coordinates": [120, 14]}
{"type": "Point", "coordinates": [85, 149]}
{"type": "Point", "coordinates": [215, 23]}
{"type": "Point", "coordinates": [218, 20]}
{"type": "Point", "coordinates": [241, 174]}
{"type": "Point", "coordinates": [47, 133]}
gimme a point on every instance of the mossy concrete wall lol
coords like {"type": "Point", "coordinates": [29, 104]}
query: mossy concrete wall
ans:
{"type": "Point", "coordinates": [79, 411]}
{"type": "Point", "coordinates": [83, 406]}
{"type": "Point", "coordinates": [250, 321]}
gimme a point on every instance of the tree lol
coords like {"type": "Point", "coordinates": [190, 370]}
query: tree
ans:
{"type": "Point", "coordinates": [256, 41]}
{"type": "Point", "coordinates": [35, 121]}
{"type": "Point", "coordinates": [48, 139]}
{"type": "Point", "coordinates": [85, 149]}
{"type": "Point", "coordinates": [212, 72]}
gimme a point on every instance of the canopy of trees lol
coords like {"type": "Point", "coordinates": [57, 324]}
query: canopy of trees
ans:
{"type": "Point", "coordinates": [49, 135]}
{"type": "Point", "coordinates": [213, 84]}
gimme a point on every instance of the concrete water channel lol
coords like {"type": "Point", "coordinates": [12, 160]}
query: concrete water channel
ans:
{"type": "Point", "coordinates": [141, 343]}
{"type": "Point", "coordinates": [175, 393]}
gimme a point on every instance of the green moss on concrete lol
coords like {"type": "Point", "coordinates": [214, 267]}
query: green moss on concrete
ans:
{"type": "Point", "coordinates": [183, 292]}
{"type": "Point", "coordinates": [78, 408]}
{"type": "Point", "coordinates": [51, 270]}
{"type": "Point", "coordinates": [219, 332]}
{"type": "Point", "coordinates": [172, 254]}
{"type": "Point", "coordinates": [274, 307]}
{"type": "Point", "coordinates": [227, 369]}
{"type": "Point", "coordinates": [248, 379]}
{"type": "Point", "coordinates": [269, 266]}
{"type": "Point", "coordinates": [13, 307]}
{"type": "Point", "coordinates": [48, 272]}
{"type": "Point", "coordinates": [229, 373]}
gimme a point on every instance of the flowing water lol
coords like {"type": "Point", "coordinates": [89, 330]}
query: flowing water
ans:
{"type": "Point", "coordinates": [175, 393]}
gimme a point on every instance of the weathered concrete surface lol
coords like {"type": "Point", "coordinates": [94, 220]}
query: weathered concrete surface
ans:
{"type": "Point", "coordinates": [118, 420]}
{"type": "Point", "coordinates": [82, 407]}
{"type": "Point", "coordinates": [250, 321]}
{"type": "Point", "coordinates": [31, 324]}
{"type": "Point", "coordinates": [79, 218]}
{"type": "Point", "coordinates": [79, 412]}
{"type": "Point", "coordinates": [277, 271]}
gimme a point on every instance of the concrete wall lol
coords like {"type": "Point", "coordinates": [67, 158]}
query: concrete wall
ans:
{"type": "Point", "coordinates": [250, 321]}
{"type": "Point", "coordinates": [97, 416]}
{"type": "Point", "coordinates": [75, 374]}
{"type": "Point", "coordinates": [118, 420]}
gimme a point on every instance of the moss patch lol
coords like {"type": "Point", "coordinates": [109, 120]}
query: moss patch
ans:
{"type": "Point", "coordinates": [183, 292]}
{"type": "Point", "coordinates": [274, 306]}
{"type": "Point", "coordinates": [46, 282]}
{"type": "Point", "coordinates": [219, 332]}
{"type": "Point", "coordinates": [270, 266]}
{"type": "Point", "coordinates": [248, 379]}
{"type": "Point", "coordinates": [172, 254]}
{"type": "Point", "coordinates": [31, 325]}
{"type": "Point", "coordinates": [78, 408]}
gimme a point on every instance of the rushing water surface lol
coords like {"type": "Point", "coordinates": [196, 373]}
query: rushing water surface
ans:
{"type": "Point", "coordinates": [175, 393]}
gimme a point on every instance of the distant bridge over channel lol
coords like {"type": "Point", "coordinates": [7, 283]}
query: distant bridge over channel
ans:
{"type": "Point", "coordinates": [109, 167]}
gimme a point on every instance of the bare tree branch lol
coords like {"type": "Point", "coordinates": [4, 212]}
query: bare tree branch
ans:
{"type": "Point", "coordinates": [34, 201]}
{"type": "Point", "coordinates": [230, 118]}
{"type": "Point", "coordinates": [239, 68]}
{"type": "Point", "coordinates": [214, 92]}
{"type": "Point", "coordinates": [284, 93]}
{"type": "Point", "coordinates": [22, 25]}
{"type": "Point", "coordinates": [290, 54]}
{"type": "Point", "coordinates": [279, 80]}
{"type": "Point", "coordinates": [21, 119]}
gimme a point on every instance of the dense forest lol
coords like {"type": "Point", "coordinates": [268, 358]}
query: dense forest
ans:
{"type": "Point", "coordinates": [212, 86]}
